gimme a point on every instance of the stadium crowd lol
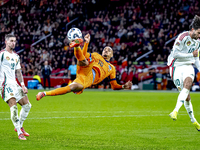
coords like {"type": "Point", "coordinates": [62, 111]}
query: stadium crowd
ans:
{"type": "Point", "coordinates": [132, 28]}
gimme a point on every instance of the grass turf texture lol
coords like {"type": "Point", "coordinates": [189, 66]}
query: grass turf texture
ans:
{"type": "Point", "coordinates": [103, 120]}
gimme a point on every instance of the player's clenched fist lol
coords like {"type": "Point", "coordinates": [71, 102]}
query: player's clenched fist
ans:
{"type": "Point", "coordinates": [87, 38]}
{"type": "Point", "coordinates": [128, 85]}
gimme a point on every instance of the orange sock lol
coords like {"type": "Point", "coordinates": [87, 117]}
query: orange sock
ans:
{"type": "Point", "coordinates": [59, 91]}
{"type": "Point", "coordinates": [78, 54]}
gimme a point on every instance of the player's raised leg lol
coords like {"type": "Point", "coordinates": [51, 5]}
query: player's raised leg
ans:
{"type": "Point", "coordinates": [81, 54]}
{"type": "Point", "coordinates": [74, 87]}
{"type": "Point", "coordinates": [14, 117]}
{"type": "Point", "coordinates": [76, 42]}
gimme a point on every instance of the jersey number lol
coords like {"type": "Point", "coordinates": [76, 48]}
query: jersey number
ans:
{"type": "Point", "coordinates": [191, 50]}
{"type": "Point", "coordinates": [100, 63]}
{"type": "Point", "coordinates": [12, 66]}
{"type": "Point", "coordinates": [9, 90]}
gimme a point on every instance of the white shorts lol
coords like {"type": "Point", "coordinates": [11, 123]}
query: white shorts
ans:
{"type": "Point", "coordinates": [11, 90]}
{"type": "Point", "coordinates": [180, 73]}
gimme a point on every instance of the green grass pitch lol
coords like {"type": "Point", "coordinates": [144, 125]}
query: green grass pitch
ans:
{"type": "Point", "coordinates": [99, 120]}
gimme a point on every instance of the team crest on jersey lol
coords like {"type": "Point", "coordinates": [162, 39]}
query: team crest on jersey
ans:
{"type": "Point", "coordinates": [16, 60]}
{"type": "Point", "coordinates": [177, 43]}
{"type": "Point", "coordinates": [8, 58]}
{"type": "Point", "coordinates": [11, 94]}
{"type": "Point", "coordinates": [188, 43]}
{"type": "Point", "coordinates": [179, 88]}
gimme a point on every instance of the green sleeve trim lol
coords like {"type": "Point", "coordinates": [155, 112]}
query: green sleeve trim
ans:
{"type": "Point", "coordinates": [2, 57]}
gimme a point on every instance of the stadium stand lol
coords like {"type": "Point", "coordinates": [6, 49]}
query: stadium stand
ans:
{"type": "Point", "coordinates": [130, 27]}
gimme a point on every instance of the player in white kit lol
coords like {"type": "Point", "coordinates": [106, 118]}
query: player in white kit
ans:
{"type": "Point", "coordinates": [185, 52]}
{"type": "Point", "coordinates": [11, 92]}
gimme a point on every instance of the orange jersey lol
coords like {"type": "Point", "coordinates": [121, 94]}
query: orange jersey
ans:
{"type": "Point", "coordinates": [97, 70]}
{"type": "Point", "coordinates": [102, 68]}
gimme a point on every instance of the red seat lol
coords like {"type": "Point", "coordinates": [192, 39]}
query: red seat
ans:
{"type": "Point", "coordinates": [130, 76]}
{"type": "Point", "coordinates": [124, 77]}
{"type": "Point", "coordinates": [61, 74]}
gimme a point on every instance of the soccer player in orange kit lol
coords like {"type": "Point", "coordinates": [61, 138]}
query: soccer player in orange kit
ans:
{"type": "Point", "coordinates": [92, 68]}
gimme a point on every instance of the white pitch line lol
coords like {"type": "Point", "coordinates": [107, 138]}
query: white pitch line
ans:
{"type": "Point", "coordinates": [93, 112]}
{"type": "Point", "coordinates": [78, 117]}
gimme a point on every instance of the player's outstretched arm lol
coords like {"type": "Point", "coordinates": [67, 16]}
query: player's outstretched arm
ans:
{"type": "Point", "coordinates": [87, 38]}
{"type": "Point", "coordinates": [116, 86]}
{"type": "Point", "coordinates": [87, 41]}
{"type": "Point", "coordinates": [21, 80]}
{"type": "Point", "coordinates": [128, 85]}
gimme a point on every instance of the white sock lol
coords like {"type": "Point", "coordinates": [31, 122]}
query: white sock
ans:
{"type": "Point", "coordinates": [181, 98]}
{"type": "Point", "coordinates": [15, 119]}
{"type": "Point", "coordinates": [24, 113]}
{"type": "Point", "coordinates": [189, 108]}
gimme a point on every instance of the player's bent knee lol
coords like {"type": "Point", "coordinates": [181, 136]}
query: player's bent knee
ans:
{"type": "Point", "coordinates": [83, 63]}
{"type": "Point", "coordinates": [76, 86]}
{"type": "Point", "coordinates": [80, 87]}
{"type": "Point", "coordinates": [188, 83]}
{"type": "Point", "coordinates": [188, 86]}
{"type": "Point", "coordinates": [27, 107]}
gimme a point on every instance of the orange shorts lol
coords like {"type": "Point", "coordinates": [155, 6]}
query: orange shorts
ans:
{"type": "Point", "coordinates": [84, 76]}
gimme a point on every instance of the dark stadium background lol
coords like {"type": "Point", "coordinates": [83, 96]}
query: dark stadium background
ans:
{"type": "Point", "coordinates": [141, 33]}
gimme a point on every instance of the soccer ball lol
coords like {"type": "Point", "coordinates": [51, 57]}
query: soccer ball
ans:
{"type": "Point", "coordinates": [74, 33]}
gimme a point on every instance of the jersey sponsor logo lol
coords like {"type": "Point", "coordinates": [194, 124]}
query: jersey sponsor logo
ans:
{"type": "Point", "coordinates": [12, 59]}
{"type": "Point", "coordinates": [177, 43]}
{"type": "Point", "coordinates": [11, 94]}
{"type": "Point", "coordinates": [188, 43]}
{"type": "Point", "coordinates": [8, 58]}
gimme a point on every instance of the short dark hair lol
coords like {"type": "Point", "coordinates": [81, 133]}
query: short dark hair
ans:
{"type": "Point", "coordinates": [195, 23]}
{"type": "Point", "coordinates": [9, 36]}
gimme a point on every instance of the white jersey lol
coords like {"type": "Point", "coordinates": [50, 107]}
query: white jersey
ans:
{"type": "Point", "coordinates": [9, 62]}
{"type": "Point", "coordinates": [182, 51]}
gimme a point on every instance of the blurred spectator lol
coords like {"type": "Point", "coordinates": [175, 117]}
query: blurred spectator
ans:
{"type": "Point", "coordinates": [46, 73]}
{"type": "Point", "coordinates": [130, 27]}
